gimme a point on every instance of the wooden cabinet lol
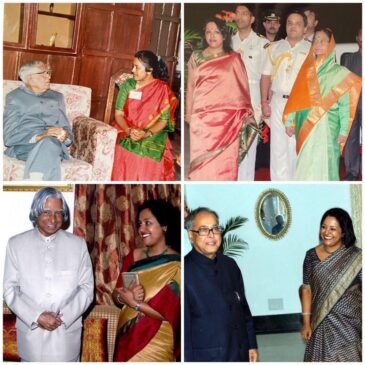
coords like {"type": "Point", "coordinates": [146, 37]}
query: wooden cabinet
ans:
{"type": "Point", "coordinates": [104, 40]}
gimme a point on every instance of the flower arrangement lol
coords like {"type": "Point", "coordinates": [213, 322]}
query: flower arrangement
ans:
{"type": "Point", "coordinates": [228, 17]}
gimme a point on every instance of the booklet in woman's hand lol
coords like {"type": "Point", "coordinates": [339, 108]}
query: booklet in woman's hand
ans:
{"type": "Point", "coordinates": [129, 278]}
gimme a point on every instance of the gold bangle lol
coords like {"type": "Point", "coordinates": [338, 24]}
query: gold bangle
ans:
{"type": "Point", "coordinates": [306, 314]}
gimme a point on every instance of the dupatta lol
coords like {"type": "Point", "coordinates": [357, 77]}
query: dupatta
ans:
{"type": "Point", "coordinates": [306, 92]}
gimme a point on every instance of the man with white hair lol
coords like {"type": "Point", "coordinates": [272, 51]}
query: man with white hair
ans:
{"type": "Point", "coordinates": [48, 283]}
{"type": "Point", "coordinates": [36, 128]}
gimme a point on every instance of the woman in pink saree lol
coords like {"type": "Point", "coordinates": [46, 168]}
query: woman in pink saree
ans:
{"type": "Point", "coordinates": [218, 106]}
{"type": "Point", "coordinates": [144, 115]}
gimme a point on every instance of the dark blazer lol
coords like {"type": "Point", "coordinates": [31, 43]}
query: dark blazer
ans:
{"type": "Point", "coordinates": [352, 61]}
{"type": "Point", "coordinates": [218, 321]}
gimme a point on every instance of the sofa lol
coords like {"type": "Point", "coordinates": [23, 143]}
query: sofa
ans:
{"type": "Point", "coordinates": [98, 337]}
{"type": "Point", "coordinates": [92, 152]}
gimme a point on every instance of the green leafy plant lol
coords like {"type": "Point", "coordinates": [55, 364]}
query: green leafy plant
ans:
{"type": "Point", "coordinates": [232, 244]}
{"type": "Point", "coordinates": [191, 39]}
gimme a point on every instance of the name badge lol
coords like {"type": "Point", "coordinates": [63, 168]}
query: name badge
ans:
{"type": "Point", "coordinates": [136, 95]}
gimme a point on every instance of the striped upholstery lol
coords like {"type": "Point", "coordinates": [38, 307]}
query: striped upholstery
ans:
{"type": "Point", "coordinates": [109, 312]}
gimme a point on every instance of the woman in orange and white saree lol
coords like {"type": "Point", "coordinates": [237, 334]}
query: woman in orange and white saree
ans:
{"type": "Point", "coordinates": [149, 322]}
{"type": "Point", "coordinates": [331, 293]}
{"type": "Point", "coordinates": [218, 106]}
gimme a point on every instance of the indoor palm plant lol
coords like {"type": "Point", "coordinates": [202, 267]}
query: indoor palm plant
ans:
{"type": "Point", "coordinates": [232, 244]}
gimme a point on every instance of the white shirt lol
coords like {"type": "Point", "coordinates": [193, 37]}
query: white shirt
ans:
{"type": "Point", "coordinates": [283, 63]}
{"type": "Point", "coordinates": [253, 53]}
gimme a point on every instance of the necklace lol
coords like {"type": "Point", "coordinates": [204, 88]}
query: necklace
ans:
{"type": "Point", "coordinates": [147, 252]}
{"type": "Point", "coordinates": [330, 252]}
{"type": "Point", "coordinates": [214, 54]}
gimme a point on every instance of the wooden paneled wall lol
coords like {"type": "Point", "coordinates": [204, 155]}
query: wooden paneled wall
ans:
{"type": "Point", "coordinates": [107, 36]}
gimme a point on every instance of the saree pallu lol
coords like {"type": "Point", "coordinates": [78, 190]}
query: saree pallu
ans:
{"type": "Point", "coordinates": [336, 308]}
{"type": "Point", "coordinates": [141, 338]}
{"type": "Point", "coordinates": [221, 106]}
{"type": "Point", "coordinates": [321, 106]}
{"type": "Point", "coordinates": [150, 158]}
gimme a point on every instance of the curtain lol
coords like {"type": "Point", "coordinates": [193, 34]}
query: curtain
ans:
{"type": "Point", "coordinates": [105, 217]}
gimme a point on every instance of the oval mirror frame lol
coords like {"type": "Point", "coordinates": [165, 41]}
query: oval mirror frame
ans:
{"type": "Point", "coordinates": [284, 210]}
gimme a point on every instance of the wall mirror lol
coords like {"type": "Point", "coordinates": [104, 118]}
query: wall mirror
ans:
{"type": "Point", "coordinates": [273, 214]}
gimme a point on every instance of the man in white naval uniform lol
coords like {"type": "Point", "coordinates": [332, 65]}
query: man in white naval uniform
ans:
{"type": "Point", "coordinates": [48, 283]}
{"type": "Point", "coordinates": [253, 53]}
{"type": "Point", "coordinates": [283, 62]}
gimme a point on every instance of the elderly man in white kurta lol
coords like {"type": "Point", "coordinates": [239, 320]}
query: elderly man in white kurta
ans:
{"type": "Point", "coordinates": [284, 60]}
{"type": "Point", "coordinates": [252, 48]}
{"type": "Point", "coordinates": [48, 283]}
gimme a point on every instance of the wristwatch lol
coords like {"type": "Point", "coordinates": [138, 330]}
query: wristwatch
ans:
{"type": "Point", "coordinates": [137, 307]}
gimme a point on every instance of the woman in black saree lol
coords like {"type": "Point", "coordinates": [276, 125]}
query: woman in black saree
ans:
{"type": "Point", "coordinates": [331, 293]}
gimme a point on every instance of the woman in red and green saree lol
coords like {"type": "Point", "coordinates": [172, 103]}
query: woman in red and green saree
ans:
{"type": "Point", "coordinates": [144, 115]}
{"type": "Point", "coordinates": [320, 110]}
{"type": "Point", "coordinates": [149, 323]}
{"type": "Point", "coordinates": [218, 106]}
{"type": "Point", "coordinates": [331, 293]}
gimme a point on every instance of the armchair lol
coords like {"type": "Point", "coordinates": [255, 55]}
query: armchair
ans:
{"type": "Point", "coordinates": [116, 80]}
{"type": "Point", "coordinates": [92, 151]}
{"type": "Point", "coordinates": [94, 335]}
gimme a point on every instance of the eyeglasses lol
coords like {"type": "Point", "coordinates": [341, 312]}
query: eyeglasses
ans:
{"type": "Point", "coordinates": [48, 214]}
{"type": "Point", "coordinates": [205, 231]}
{"type": "Point", "coordinates": [43, 73]}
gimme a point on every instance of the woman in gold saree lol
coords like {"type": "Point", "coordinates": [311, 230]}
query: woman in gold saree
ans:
{"type": "Point", "coordinates": [218, 106]}
{"type": "Point", "coordinates": [320, 110]}
{"type": "Point", "coordinates": [331, 294]}
{"type": "Point", "coordinates": [149, 323]}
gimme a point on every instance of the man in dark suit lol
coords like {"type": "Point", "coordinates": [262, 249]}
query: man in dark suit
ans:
{"type": "Point", "coordinates": [218, 321]}
{"type": "Point", "coordinates": [353, 61]}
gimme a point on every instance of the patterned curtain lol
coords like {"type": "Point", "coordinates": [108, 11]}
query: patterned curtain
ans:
{"type": "Point", "coordinates": [105, 217]}
{"type": "Point", "coordinates": [355, 191]}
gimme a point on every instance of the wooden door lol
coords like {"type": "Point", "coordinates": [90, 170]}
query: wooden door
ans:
{"type": "Point", "coordinates": [166, 34]}
{"type": "Point", "coordinates": [111, 34]}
